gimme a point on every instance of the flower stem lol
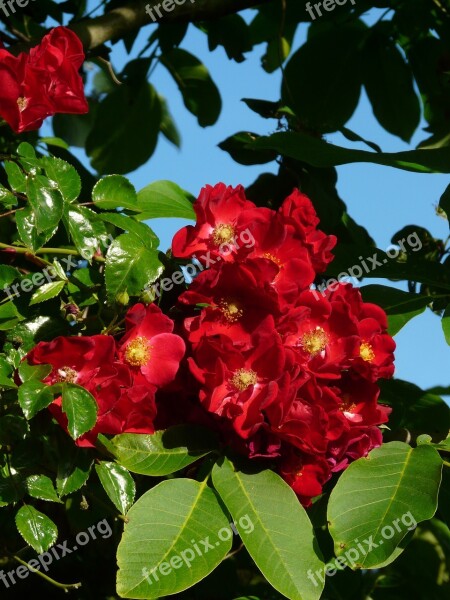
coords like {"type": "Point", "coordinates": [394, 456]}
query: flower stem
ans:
{"type": "Point", "coordinates": [62, 586]}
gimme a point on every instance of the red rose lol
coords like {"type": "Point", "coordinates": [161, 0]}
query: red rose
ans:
{"type": "Point", "coordinates": [74, 359]}
{"type": "Point", "coordinates": [223, 214]}
{"type": "Point", "coordinates": [42, 83]}
{"type": "Point", "coordinates": [20, 106]}
{"type": "Point", "coordinates": [57, 59]}
{"type": "Point", "coordinates": [239, 385]}
{"type": "Point", "coordinates": [126, 402]}
{"type": "Point", "coordinates": [305, 474]}
{"type": "Point", "coordinates": [299, 214]}
{"type": "Point", "coordinates": [149, 347]}
{"type": "Point", "coordinates": [376, 347]}
{"type": "Point", "coordinates": [239, 297]}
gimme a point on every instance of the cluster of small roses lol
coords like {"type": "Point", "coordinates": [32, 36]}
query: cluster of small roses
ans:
{"type": "Point", "coordinates": [43, 82]}
{"type": "Point", "coordinates": [122, 376]}
{"type": "Point", "coordinates": [287, 374]}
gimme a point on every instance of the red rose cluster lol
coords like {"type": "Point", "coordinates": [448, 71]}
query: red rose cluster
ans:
{"type": "Point", "coordinates": [43, 82]}
{"type": "Point", "coordinates": [288, 373]}
{"type": "Point", "coordinates": [283, 372]}
{"type": "Point", "coordinates": [122, 376]}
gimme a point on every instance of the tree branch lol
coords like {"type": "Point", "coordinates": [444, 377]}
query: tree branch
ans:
{"type": "Point", "coordinates": [132, 16]}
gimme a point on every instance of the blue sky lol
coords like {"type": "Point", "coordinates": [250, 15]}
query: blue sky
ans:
{"type": "Point", "coordinates": [382, 199]}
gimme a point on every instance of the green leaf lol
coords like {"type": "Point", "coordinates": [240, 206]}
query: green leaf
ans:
{"type": "Point", "coordinates": [85, 228]}
{"type": "Point", "coordinates": [164, 527]}
{"type": "Point", "coordinates": [16, 177]}
{"type": "Point", "coordinates": [323, 85]}
{"type": "Point", "coordinates": [389, 84]}
{"type": "Point", "coordinates": [118, 484]}
{"type": "Point", "coordinates": [168, 126]}
{"type": "Point", "coordinates": [114, 191]}
{"type": "Point", "coordinates": [80, 407]}
{"type": "Point", "coordinates": [6, 371]}
{"type": "Point", "coordinates": [373, 496]}
{"type": "Point", "coordinates": [125, 130]}
{"type": "Point", "coordinates": [47, 292]}
{"type": "Point", "coordinates": [41, 487]}
{"type": "Point", "coordinates": [7, 275]}
{"type": "Point", "coordinates": [414, 409]}
{"type": "Point", "coordinates": [318, 153]}
{"type": "Point", "coordinates": [200, 94]}
{"type": "Point", "coordinates": [163, 452]}
{"type": "Point", "coordinates": [164, 199]}
{"type": "Point", "coordinates": [74, 467]}
{"type": "Point", "coordinates": [64, 176]}
{"type": "Point", "coordinates": [9, 316]}
{"type": "Point", "coordinates": [282, 543]}
{"type": "Point", "coordinates": [236, 148]}
{"type": "Point", "coordinates": [26, 226]}
{"type": "Point", "coordinates": [444, 202]}
{"type": "Point", "coordinates": [7, 198]}
{"type": "Point", "coordinates": [446, 324]}
{"type": "Point", "coordinates": [130, 266]}
{"type": "Point", "coordinates": [37, 529]}
{"type": "Point", "coordinates": [34, 396]}
{"type": "Point", "coordinates": [399, 306]}
{"type": "Point", "coordinates": [46, 202]}
{"type": "Point", "coordinates": [141, 230]}
{"type": "Point", "coordinates": [33, 372]}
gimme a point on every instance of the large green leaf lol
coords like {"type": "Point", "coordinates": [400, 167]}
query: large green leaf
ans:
{"type": "Point", "coordinates": [64, 176]}
{"type": "Point", "coordinates": [400, 306]}
{"type": "Point", "coordinates": [174, 538]}
{"type": "Point", "coordinates": [141, 230]}
{"type": "Point", "coordinates": [42, 488]}
{"type": "Point", "coordinates": [27, 229]}
{"type": "Point", "coordinates": [389, 85]}
{"type": "Point", "coordinates": [164, 452]}
{"type": "Point", "coordinates": [37, 529]}
{"type": "Point", "coordinates": [33, 397]}
{"type": "Point", "coordinates": [46, 202]}
{"type": "Point", "coordinates": [85, 229]}
{"type": "Point", "coordinates": [114, 191]}
{"type": "Point", "coordinates": [130, 266]}
{"type": "Point", "coordinates": [80, 408]}
{"type": "Point", "coordinates": [282, 543]}
{"type": "Point", "coordinates": [380, 498]}
{"type": "Point", "coordinates": [200, 94]}
{"type": "Point", "coordinates": [164, 199]}
{"type": "Point", "coordinates": [322, 84]}
{"type": "Point", "coordinates": [414, 409]}
{"type": "Point", "coordinates": [319, 153]}
{"type": "Point", "coordinates": [125, 129]}
{"type": "Point", "coordinates": [118, 484]}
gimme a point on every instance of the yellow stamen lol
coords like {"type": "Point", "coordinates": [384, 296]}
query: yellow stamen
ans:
{"type": "Point", "coordinates": [231, 310]}
{"type": "Point", "coordinates": [273, 258]}
{"type": "Point", "coordinates": [223, 234]}
{"type": "Point", "coordinates": [22, 103]}
{"type": "Point", "coordinates": [314, 341]}
{"type": "Point", "coordinates": [67, 374]}
{"type": "Point", "coordinates": [243, 379]}
{"type": "Point", "coordinates": [366, 352]}
{"type": "Point", "coordinates": [137, 352]}
{"type": "Point", "coordinates": [347, 405]}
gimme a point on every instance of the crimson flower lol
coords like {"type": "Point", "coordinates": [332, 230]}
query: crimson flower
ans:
{"type": "Point", "coordinates": [149, 347]}
{"type": "Point", "coordinates": [43, 82]}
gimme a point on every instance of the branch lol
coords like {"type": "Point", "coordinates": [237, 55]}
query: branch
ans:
{"type": "Point", "coordinates": [125, 19]}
